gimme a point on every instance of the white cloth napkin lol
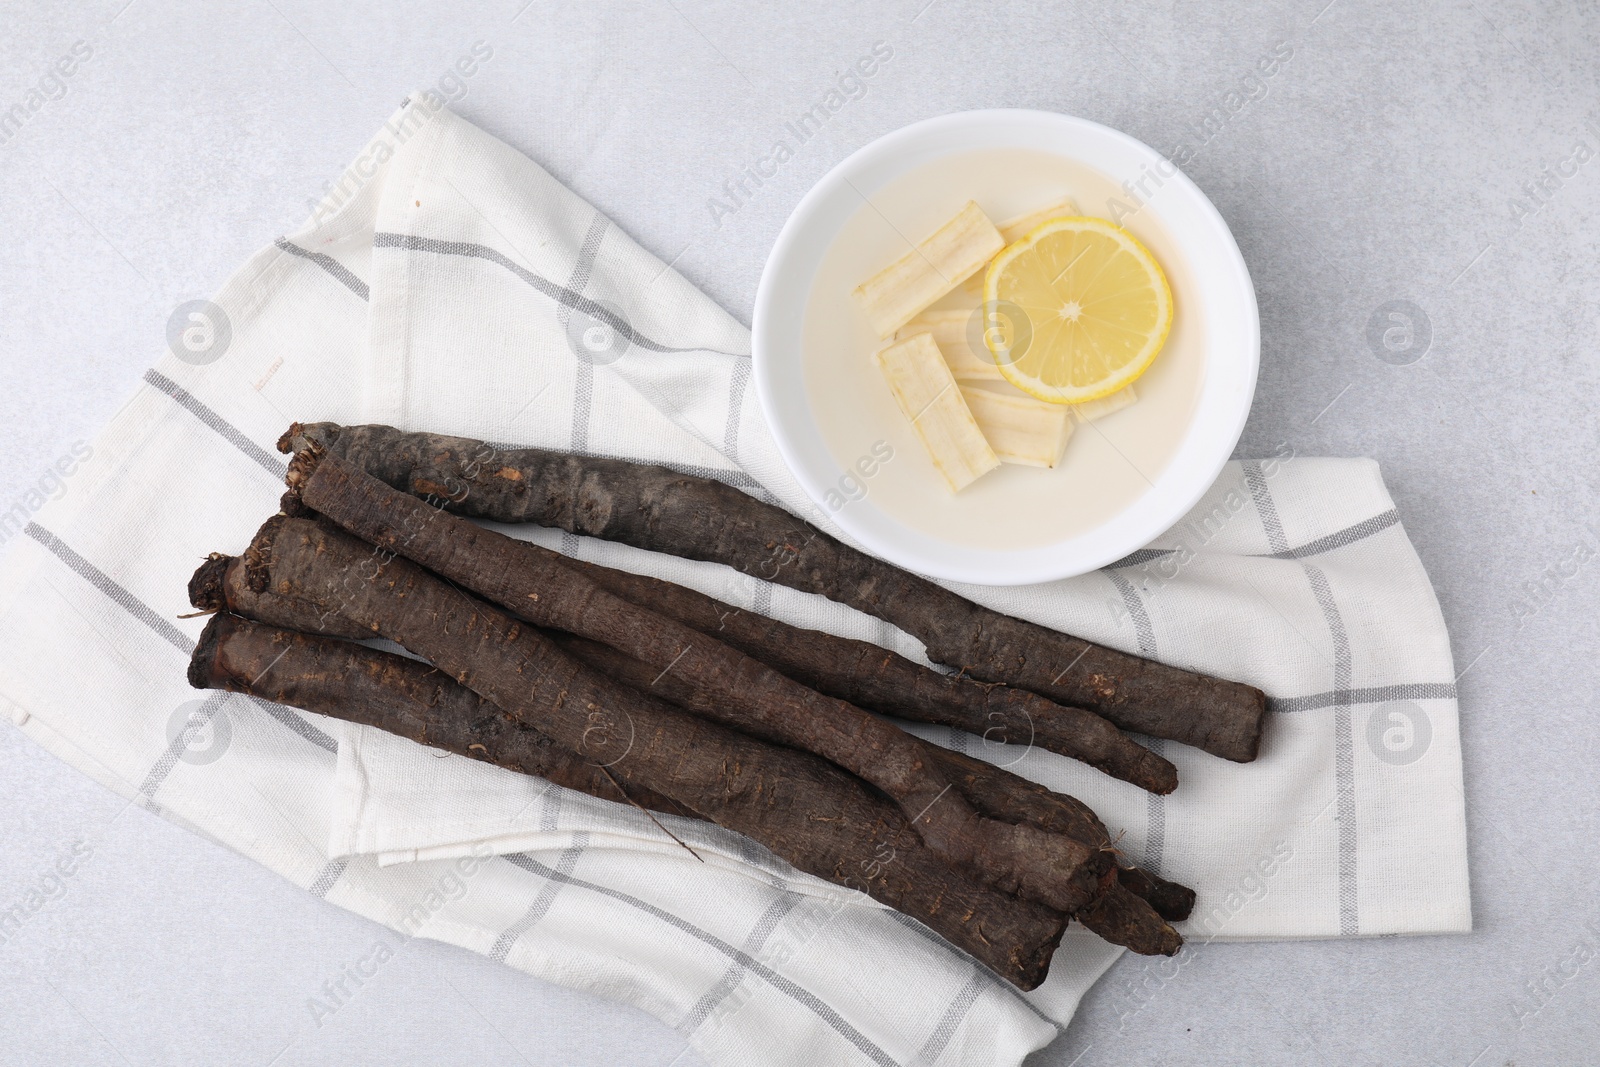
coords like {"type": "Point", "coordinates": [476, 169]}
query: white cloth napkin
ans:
{"type": "Point", "coordinates": [444, 286]}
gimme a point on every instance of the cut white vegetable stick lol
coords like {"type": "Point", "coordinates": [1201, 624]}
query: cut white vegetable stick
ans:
{"type": "Point", "coordinates": [928, 396]}
{"type": "Point", "coordinates": [952, 254]}
{"type": "Point", "coordinates": [1015, 229]}
{"type": "Point", "coordinates": [1018, 227]}
{"type": "Point", "coordinates": [1090, 410]}
{"type": "Point", "coordinates": [1020, 429]}
{"type": "Point", "coordinates": [950, 330]}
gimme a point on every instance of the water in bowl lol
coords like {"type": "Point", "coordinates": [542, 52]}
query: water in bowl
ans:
{"type": "Point", "coordinates": [1107, 465]}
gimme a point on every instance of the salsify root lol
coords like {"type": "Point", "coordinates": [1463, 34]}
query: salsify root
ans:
{"type": "Point", "coordinates": [697, 518]}
{"type": "Point", "coordinates": [1173, 902]}
{"type": "Point", "coordinates": [872, 677]}
{"type": "Point", "coordinates": [219, 585]}
{"type": "Point", "coordinates": [685, 757]}
{"type": "Point", "coordinates": [1122, 917]}
{"type": "Point", "coordinates": [824, 821]}
{"type": "Point", "coordinates": [1140, 924]}
{"type": "Point", "coordinates": [1001, 794]}
{"type": "Point", "coordinates": [403, 696]}
{"type": "Point", "coordinates": [530, 582]}
{"type": "Point", "coordinates": [855, 671]}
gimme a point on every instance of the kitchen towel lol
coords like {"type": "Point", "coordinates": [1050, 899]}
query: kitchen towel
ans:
{"type": "Point", "coordinates": [449, 283]}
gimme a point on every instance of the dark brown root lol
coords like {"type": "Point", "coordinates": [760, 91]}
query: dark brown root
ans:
{"type": "Point", "coordinates": [532, 583]}
{"type": "Point", "coordinates": [659, 509]}
{"type": "Point", "coordinates": [774, 795]}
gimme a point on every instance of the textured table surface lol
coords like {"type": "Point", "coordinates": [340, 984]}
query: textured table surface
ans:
{"type": "Point", "coordinates": [1424, 153]}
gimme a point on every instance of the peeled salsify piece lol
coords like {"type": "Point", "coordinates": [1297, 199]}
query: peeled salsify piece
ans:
{"type": "Point", "coordinates": [1017, 227]}
{"type": "Point", "coordinates": [926, 392]}
{"type": "Point", "coordinates": [950, 333]}
{"type": "Point", "coordinates": [949, 256]}
{"type": "Point", "coordinates": [1094, 410]}
{"type": "Point", "coordinates": [1019, 428]}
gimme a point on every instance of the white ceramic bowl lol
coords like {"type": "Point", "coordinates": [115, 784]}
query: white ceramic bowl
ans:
{"type": "Point", "coordinates": [1218, 284]}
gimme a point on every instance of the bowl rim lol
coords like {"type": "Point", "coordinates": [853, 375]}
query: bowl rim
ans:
{"type": "Point", "coordinates": [1228, 379]}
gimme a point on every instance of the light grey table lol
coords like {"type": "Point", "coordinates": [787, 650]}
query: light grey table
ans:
{"type": "Point", "coordinates": [1417, 153]}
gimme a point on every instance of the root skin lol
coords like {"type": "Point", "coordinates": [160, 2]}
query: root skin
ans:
{"type": "Point", "coordinates": [659, 509]}
{"type": "Point", "coordinates": [1052, 868]}
{"type": "Point", "coordinates": [872, 677]}
{"type": "Point", "coordinates": [402, 696]}
{"type": "Point", "coordinates": [994, 792]}
{"type": "Point", "coordinates": [773, 795]}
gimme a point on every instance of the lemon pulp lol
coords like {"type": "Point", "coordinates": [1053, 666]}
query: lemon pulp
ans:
{"type": "Point", "coordinates": [1075, 310]}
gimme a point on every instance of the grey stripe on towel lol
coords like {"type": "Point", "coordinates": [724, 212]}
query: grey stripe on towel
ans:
{"type": "Point", "coordinates": [736, 972]}
{"type": "Point", "coordinates": [1343, 743]}
{"type": "Point", "coordinates": [224, 429]}
{"type": "Point", "coordinates": [541, 903]}
{"type": "Point", "coordinates": [952, 1018]}
{"type": "Point", "coordinates": [556, 292]}
{"type": "Point", "coordinates": [1359, 531]}
{"type": "Point", "coordinates": [328, 876]}
{"type": "Point", "coordinates": [164, 629]}
{"type": "Point", "coordinates": [1377, 694]}
{"type": "Point", "coordinates": [338, 270]}
{"type": "Point", "coordinates": [1339, 538]}
{"type": "Point", "coordinates": [103, 582]}
{"type": "Point", "coordinates": [583, 380]}
{"type": "Point", "coordinates": [797, 993]}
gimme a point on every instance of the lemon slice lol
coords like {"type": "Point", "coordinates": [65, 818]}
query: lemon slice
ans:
{"type": "Point", "coordinates": [1075, 311]}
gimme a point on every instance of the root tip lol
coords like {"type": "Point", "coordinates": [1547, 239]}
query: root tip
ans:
{"type": "Point", "coordinates": [293, 507]}
{"type": "Point", "coordinates": [203, 662]}
{"type": "Point", "coordinates": [286, 443]}
{"type": "Point", "coordinates": [304, 465]}
{"type": "Point", "coordinates": [206, 587]}
{"type": "Point", "coordinates": [303, 434]}
{"type": "Point", "coordinates": [257, 558]}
